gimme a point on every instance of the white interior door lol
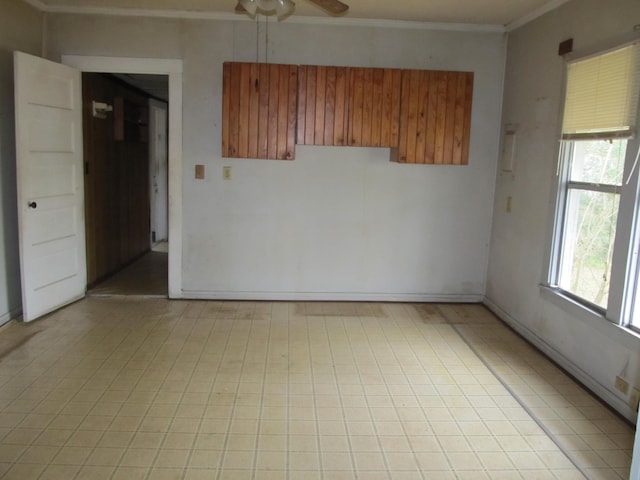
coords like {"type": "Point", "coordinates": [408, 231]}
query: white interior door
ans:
{"type": "Point", "coordinates": [159, 169]}
{"type": "Point", "coordinates": [48, 106]}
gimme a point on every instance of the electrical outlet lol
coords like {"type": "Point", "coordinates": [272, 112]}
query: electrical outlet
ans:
{"type": "Point", "coordinates": [622, 385]}
{"type": "Point", "coordinates": [226, 173]}
{"type": "Point", "coordinates": [634, 399]}
{"type": "Point", "coordinates": [509, 200]}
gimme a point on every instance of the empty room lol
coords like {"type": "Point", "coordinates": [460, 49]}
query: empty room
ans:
{"type": "Point", "coordinates": [321, 239]}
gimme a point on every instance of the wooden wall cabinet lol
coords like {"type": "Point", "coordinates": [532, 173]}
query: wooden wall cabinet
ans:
{"type": "Point", "coordinates": [374, 106]}
{"type": "Point", "coordinates": [435, 118]}
{"type": "Point", "coordinates": [348, 106]}
{"type": "Point", "coordinates": [259, 110]}
{"type": "Point", "coordinates": [322, 105]}
{"type": "Point", "coordinates": [423, 116]}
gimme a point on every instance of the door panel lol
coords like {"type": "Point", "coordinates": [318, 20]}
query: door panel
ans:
{"type": "Point", "coordinates": [50, 184]}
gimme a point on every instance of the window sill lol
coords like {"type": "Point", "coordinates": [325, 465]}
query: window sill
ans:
{"type": "Point", "coordinates": [594, 319]}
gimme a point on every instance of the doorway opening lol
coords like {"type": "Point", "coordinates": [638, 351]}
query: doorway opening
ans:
{"type": "Point", "coordinates": [126, 183]}
{"type": "Point", "coordinates": [171, 72]}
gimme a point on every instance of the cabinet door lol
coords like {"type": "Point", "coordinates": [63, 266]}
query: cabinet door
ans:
{"type": "Point", "coordinates": [348, 106]}
{"type": "Point", "coordinates": [435, 117]}
{"type": "Point", "coordinates": [374, 106]}
{"type": "Point", "coordinates": [322, 105]}
{"type": "Point", "coordinates": [259, 110]}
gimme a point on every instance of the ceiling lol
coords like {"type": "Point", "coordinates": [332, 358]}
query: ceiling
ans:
{"type": "Point", "coordinates": [479, 12]}
{"type": "Point", "coordinates": [504, 14]}
{"type": "Point", "coordinates": [155, 85]}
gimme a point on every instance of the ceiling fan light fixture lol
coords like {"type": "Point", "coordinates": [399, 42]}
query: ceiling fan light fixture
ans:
{"type": "Point", "coordinates": [284, 8]}
{"type": "Point", "coordinates": [281, 8]}
{"type": "Point", "coordinates": [250, 6]}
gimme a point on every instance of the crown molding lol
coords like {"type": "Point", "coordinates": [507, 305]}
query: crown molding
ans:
{"type": "Point", "coordinates": [331, 21]}
{"type": "Point", "coordinates": [402, 24]}
{"type": "Point", "coordinates": [37, 4]}
{"type": "Point", "coordinates": [538, 12]}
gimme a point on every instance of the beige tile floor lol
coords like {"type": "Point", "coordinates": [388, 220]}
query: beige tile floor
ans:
{"type": "Point", "coordinates": [132, 388]}
{"type": "Point", "coordinates": [147, 276]}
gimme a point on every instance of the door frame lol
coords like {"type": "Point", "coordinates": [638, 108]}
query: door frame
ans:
{"type": "Point", "coordinates": [173, 69]}
{"type": "Point", "coordinates": [158, 204]}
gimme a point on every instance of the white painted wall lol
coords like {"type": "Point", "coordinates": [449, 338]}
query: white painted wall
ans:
{"type": "Point", "coordinates": [340, 223]}
{"type": "Point", "coordinates": [591, 348]}
{"type": "Point", "coordinates": [20, 29]}
{"type": "Point", "coordinates": [634, 473]}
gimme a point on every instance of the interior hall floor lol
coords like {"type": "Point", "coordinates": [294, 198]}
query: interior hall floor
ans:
{"type": "Point", "coordinates": [147, 276]}
{"type": "Point", "coordinates": [149, 388]}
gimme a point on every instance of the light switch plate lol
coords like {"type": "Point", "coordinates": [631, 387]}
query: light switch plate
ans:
{"type": "Point", "coordinates": [200, 172]}
{"type": "Point", "coordinates": [508, 150]}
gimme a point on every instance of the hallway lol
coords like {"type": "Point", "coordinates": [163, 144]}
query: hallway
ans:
{"type": "Point", "coordinates": [147, 276]}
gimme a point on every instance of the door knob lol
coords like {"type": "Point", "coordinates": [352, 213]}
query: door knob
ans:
{"type": "Point", "coordinates": [33, 205]}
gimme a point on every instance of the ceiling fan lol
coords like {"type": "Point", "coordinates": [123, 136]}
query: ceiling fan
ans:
{"type": "Point", "coordinates": [283, 8]}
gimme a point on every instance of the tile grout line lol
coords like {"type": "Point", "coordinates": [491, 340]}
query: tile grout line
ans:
{"type": "Point", "coordinates": [327, 334]}
{"type": "Point", "coordinates": [364, 385]}
{"type": "Point", "coordinates": [26, 388]}
{"type": "Point", "coordinates": [156, 393]}
{"type": "Point", "coordinates": [414, 455]}
{"type": "Point", "coordinates": [516, 397]}
{"type": "Point", "coordinates": [256, 443]}
{"type": "Point", "coordinates": [152, 467]}
{"type": "Point", "coordinates": [263, 393]}
{"type": "Point", "coordinates": [287, 407]}
{"type": "Point", "coordinates": [237, 393]}
{"type": "Point", "coordinates": [95, 402]}
{"type": "Point", "coordinates": [422, 408]}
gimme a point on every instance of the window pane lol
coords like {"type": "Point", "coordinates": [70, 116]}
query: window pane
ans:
{"type": "Point", "coordinates": [589, 232]}
{"type": "Point", "coordinates": [598, 161]}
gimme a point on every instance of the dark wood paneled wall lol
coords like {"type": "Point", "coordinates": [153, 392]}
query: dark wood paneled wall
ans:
{"type": "Point", "coordinates": [116, 180]}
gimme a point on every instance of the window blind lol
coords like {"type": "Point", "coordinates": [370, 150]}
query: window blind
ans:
{"type": "Point", "coordinates": [602, 95]}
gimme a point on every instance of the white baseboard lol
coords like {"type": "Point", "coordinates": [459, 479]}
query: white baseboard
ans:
{"type": "Point", "coordinates": [332, 296]}
{"type": "Point", "coordinates": [573, 369]}
{"type": "Point", "coordinates": [7, 317]}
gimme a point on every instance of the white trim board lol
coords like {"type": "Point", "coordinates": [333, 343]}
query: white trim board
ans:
{"type": "Point", "coordinates": [6, 318]}
{"type": "Point", "coordinates": [341, 21]}
{"type": "Point", "coordinates": [37, 4]}
{"type": "Point", "coordinates": [538, 12]}
{"type": "Point", "coordinates": [173, 69]}
{"type": "Point", "coordinates": [558, 357]}
{"type": "Point", "coordinates": [332, 296]}
{"type": "Point", "coordinates": [209, 15]}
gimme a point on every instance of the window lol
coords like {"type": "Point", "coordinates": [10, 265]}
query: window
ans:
{"type": "Point", "coordinates": [591, 211]}
{"type": "Point", "coordinates": [594, 248]}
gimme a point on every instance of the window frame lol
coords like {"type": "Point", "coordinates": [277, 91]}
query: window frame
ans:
{"type": "Point", "coordinates": [564, 187]}
{"type": "Point", "coordinates": [625, 265]}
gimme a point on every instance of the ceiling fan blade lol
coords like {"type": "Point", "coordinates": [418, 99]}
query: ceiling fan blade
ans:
{"type": "Point", "coordinates": [335, 7]}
